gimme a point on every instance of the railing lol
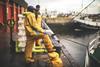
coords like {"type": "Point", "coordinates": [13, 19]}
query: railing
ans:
{"type": "Point", "coordinates": [91, 48]}
{"type": "Point", "coordinates": [94, 43]}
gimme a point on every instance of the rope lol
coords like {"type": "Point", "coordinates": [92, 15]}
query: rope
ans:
{"type": "Point", "coordinates": [77, 43]}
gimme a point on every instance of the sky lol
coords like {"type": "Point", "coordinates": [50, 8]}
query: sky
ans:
{"type": "Point", "coordinates": [60, 5]}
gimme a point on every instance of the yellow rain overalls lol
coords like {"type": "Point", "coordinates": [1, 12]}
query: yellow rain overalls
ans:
{"type": "Point", "coordinates": [31, 26]}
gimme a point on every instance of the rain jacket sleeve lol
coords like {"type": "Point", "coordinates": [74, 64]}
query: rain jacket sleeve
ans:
{"type": "Point", "coordinates": [28, 28]}
{"type": "Point", "coordinates": [31, 24]}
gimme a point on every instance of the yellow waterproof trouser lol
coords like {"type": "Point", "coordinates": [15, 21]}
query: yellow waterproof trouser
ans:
{"type": "Point", "coordinates": [55, 59]}
{"type": "Point", "coordinates": [38, 42]}
{"type": "Point", "coordinates": [46, 39]}
{"type": "Point", "coordinates": [30, 43]}
{"type": "Point", "coordinates": [28, 49]}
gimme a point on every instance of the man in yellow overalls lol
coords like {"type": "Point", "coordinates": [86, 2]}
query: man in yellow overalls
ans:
{"type": "Point", "coordinates": [39, 22]}
{"type": "Point", "coordinates": [54, 56]}
{"type": "Point", "coordinates": [31, 28]}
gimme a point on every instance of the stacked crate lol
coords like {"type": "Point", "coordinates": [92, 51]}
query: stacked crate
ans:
{"type": "Point", "coordinates": [21, 35]}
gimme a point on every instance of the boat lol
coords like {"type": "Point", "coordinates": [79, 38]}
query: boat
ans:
{"type": "Point", "coordinates": [93, 53]}
{"type": "Point", "coordinates": [90, 21]}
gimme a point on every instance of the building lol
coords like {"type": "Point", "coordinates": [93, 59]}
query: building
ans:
{"type": "Point", "coordinates": [10, 9]}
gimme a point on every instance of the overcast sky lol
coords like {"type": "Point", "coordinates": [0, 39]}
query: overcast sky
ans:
{"type": "Point", "coordinates": [60, 5]}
